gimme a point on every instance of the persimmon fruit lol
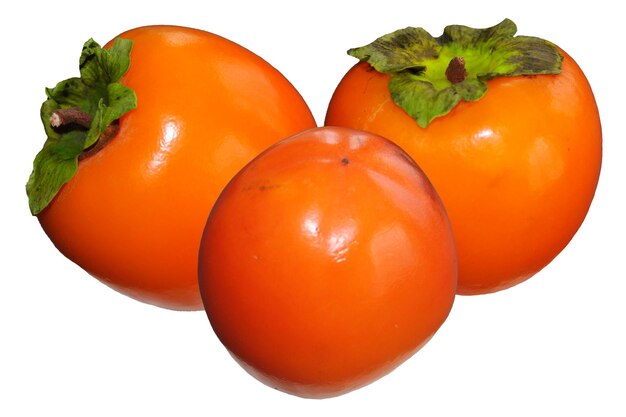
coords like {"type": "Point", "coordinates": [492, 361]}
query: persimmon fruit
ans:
{"type": "Point", "coordinates": [130, 207]}
{"type": "Point", "coordinates": [506, 128]}
{"type": "Point", "coordinates": [326, 262]}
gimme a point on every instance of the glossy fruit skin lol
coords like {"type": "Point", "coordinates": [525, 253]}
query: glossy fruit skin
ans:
{"type": "Point", "coordinates": [517, 170]}
{"type": "Point", "coordinates": [133, 214]}
{"type": "Point", "coordinates": [327, 262]}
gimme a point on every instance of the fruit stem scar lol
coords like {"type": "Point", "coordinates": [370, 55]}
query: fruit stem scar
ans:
{"type": "Point", "coordinates": [72, 115]}
{"type": "Point", "coordinates": [456, 72]}
{"type": "Point", "coordinates": [108, 134]}
{"type": "Point", "coordinates": [345, 161]}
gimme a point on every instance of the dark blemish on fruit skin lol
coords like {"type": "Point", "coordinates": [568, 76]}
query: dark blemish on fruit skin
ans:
{"type": "Point", "coordinates": [264, 186]}
{"type": "Point", "coordinates": [345, 161]}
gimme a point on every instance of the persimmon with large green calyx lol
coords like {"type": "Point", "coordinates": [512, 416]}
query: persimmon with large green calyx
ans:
{"type": "Point", "coordinates": [140, 146]}
{"type": "Point", "coordinates": [506, 127]}
{"type": "Point", "coordinates": [327, 262]}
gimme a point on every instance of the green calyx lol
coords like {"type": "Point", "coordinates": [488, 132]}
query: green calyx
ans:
{"type": "Point", "coordinates": [76, 116]}
{"type": "Point", "coordinates": [430, 76]}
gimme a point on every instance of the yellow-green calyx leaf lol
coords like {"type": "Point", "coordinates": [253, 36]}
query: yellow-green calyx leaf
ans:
{"type": "Point", "coordinates": [91, 103]}
{"type": "Point", "coordinates": [429, 76]}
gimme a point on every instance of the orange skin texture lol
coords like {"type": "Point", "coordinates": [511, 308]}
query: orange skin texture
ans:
{"type": "Point", "coordinates": [517, 170]}
{"type": "Point", "coordinates": [133, 214]}
{"type": "Point", "coordinates": [327, 262]}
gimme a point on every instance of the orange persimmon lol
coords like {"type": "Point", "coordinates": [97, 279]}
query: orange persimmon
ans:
{"type": "Point", "coordinates": [516, 166]}
{"type": "Point", "coordinates": [327, 262]}
{"type": "Point", "coordinates": [133, 212]}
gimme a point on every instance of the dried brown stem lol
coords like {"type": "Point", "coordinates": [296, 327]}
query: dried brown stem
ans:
{"type": "Point", "coordinates": [73, 115]}
{"type": "Point", "coordinates": [456, 72]}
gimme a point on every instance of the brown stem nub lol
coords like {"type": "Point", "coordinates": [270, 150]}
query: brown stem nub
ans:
{"type": "Point", "coordinates": [456, 72]}
{"type": "Point", "coordinates": [73, 115]}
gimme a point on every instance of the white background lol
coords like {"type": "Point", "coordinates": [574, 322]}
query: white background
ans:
{"type": "Point", "coordinates": [553, 346]}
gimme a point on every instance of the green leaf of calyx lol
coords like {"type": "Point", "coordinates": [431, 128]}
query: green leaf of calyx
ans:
{"type": "Point", "coordinates": [96, 94]}
{"type": "Point", "coordinates": [430, 76]}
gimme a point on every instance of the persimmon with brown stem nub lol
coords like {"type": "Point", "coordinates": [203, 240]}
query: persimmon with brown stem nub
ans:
{"type": "Point", "coordinates": [141, 145]}
{"type": "Point", "coordinates": [510, 137]}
